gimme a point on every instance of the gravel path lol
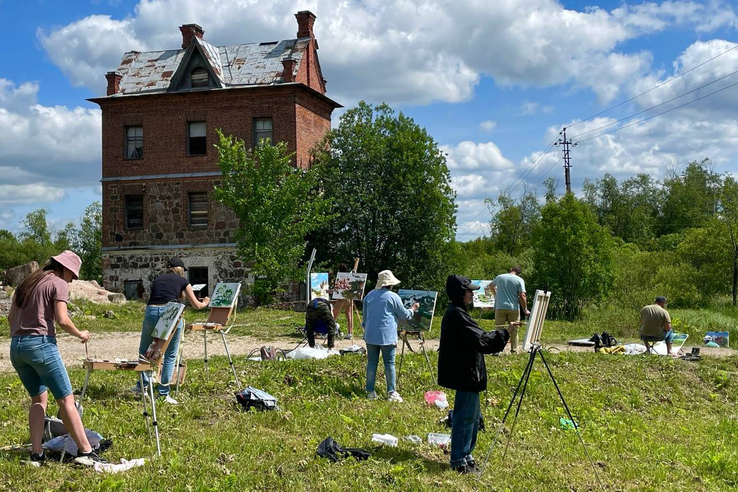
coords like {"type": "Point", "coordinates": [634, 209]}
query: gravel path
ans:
{"type": "Point", "coordinates": [125, 345]}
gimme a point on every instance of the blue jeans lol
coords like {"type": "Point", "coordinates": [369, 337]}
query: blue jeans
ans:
{"type": "Point", "coordinates": [37, 361]}
{"type": "Point", "coordinates": [464, 427]}
{"type": "Point", "coordinates": [153, 313]}
{"type": "Point", "coordinates": [388, 355]}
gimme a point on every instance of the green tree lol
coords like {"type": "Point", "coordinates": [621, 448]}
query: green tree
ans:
{"type": "Point", "coordinates": [36, 228]}
{"type": "Point", "coordinates": [729, 215]}
{"type": "Point", "coordinates": [277, 205]}
{"type": "Point", "coordinates": [88, 242]}
{"type": "Point", "coordinates": [573, 256]}
{"type": "Point", "coordinates": [66, 238]}
{"type": "Point", "coordinates": [391, 195]}
{"type": "Point", "coordinates": [513, 223]}
{"type": "Point", "coordinates": [691, 197]}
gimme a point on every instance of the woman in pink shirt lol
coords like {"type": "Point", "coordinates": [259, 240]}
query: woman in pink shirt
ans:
{"type": "Point", "coordinates": [39, 304]}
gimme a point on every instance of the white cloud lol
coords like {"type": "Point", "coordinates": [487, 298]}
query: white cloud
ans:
{"type": "Point", "coordinates": [44, 148]}
{"type": "Point", "coordinates": [487, 126]}
{"type": "Point", "coordinates": [399, 51]}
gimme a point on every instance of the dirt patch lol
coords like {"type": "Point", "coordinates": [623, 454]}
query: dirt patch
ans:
{"type": "Point", "coordinates": [113, 345]}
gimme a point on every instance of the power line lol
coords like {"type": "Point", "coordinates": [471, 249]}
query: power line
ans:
{"type": "Point", "coordinates": [656, 106]}
{"type": "Point", "coordinates": [659, 114]}
{"type": "Point", "coordinates": [655, 87]}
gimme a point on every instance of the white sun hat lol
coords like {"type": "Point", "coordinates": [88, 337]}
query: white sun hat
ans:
{"type": "Point", "coordinates": [386, 279]}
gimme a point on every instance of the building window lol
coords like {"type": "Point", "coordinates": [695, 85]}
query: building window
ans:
{"type": "Point", "coordinates": [134, 212]}
{"type": "Point", "coordinates": [134, 142]}
{"type": "Point", "coordinates": [198, 209]}
{"type": "Point", "coordinates": [262, 130]}
{"type": "Point", "coordinates": [199, 276]}
{"type": "Point", "coordinates": [196, 132]}
{"type": "Point", "coordinates": [199, 78]}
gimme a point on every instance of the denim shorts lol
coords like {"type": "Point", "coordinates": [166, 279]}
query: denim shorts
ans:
{"type": "Point", "coordinates": [37, 361]}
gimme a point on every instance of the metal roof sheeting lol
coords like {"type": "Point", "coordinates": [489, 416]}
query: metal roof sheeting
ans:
{"type": "Point", "coordinates": [244, 64]}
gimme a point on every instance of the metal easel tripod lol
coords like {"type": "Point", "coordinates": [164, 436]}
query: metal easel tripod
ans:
{"type": "Point", "coordinates": [535, 350]}
{"type": "Point", "coordinates": [403, 337]}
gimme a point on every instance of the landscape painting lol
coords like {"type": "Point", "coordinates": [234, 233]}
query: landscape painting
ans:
{"type": "Point", "coordinates": [720, 338]}
{"type": "Point", "coordinates": [424, 315]}
{"type": "Point", "coordinates": [349, 285]}
{"type": "Point", "coordinates": [168, 320]}
{"type": "Point", "coordinates": [319, 286]}
{"type": "Point", "coordinates": [483, 297]}
{"type": "Point", "coordinates": [224, 295]}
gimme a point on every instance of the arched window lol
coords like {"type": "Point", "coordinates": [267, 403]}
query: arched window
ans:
{"type": "Point", "coordinates": [199, 77]}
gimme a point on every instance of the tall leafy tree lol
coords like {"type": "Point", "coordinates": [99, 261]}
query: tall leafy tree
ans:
{"type": "Point", "coordinates": [36, 228]}
{"type": "Point", "coordinates": [691, 197]}
{"type": "Point", "coordinates": [276, 203]}
{"type": "Point", "coordinates": [573, 256]}
{"type": "Point", "coordinates": [513, 222]}
{"type": "Point", "coordinates": [729, 215]}
{"type": "Point", "coordinates": [89, 242]}
{"type": "Point", "coordinates": [391, 194]}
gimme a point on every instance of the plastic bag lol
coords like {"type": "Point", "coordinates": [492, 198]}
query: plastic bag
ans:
{"type": "Point", "coordinates": [437, 398]}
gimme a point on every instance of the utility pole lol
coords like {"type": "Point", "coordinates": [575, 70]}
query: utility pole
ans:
{"type": "Point", "coordinates": [566, 144]}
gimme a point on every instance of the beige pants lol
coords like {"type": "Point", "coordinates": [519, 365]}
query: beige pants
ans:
{"type": "Point", "coordinates": [506, 316]}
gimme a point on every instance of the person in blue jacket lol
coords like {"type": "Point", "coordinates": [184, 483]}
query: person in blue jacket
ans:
{"type": "Point", "coordinates": [381, 310]}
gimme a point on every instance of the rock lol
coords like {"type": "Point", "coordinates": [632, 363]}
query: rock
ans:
{"type": "Point", "coordinates": [117, 298]}
{"type": "Point", "coordinates": [4, 307]}
{"type": "Point", "coordinates": [3, 295]}
{"type": "Point", "coordinates": [109, 314]}
{"type": "Point", "coordinates": [14, 276]}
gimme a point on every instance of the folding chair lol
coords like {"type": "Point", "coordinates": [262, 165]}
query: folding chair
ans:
{"type": "Point", "coordinates": [167, 326]}
{"type": "Point", "coordinates": [320, 330]}
{"type": "Point", "coordinates": [222, 305]}
{"type": "Point", "coordinates": [649, 342]}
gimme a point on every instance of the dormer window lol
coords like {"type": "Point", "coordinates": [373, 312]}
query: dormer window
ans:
{"type": "Point", "coordinates": [199, 78]}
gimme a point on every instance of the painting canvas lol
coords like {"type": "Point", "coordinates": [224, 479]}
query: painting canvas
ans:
{"type": "Point", "coordinates": [424, 315]}
{"type": "Point", "coordinates": [537, 317]}
{"type": "Point", "coordinates": [224, 295]}
{"type": "Point", "coordinates": [720, 338]}
{"type": "Point", "coordinates": [168, 320]}
{"type": "Point", "coordinates": [319, 286]}
{"type": "Point", "coordinates": [483, 297]}
{"type": "Point", "coordinates": [349, 285]}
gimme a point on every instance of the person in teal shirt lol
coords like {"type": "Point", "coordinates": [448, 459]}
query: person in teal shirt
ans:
{"type": "Point", "coordinates": [381, 310]}
{"type": "Point", "coordinates": [509, 290]}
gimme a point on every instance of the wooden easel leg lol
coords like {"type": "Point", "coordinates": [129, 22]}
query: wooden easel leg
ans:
{"type": "Point", "coordinates": [178, 363]}
{"type": "Point", "coordinates": [230, 360]}
{"type": "Point", "coordinates": [153, 416]}
{"type": "Point", "coordinates": [425, 353]}
{"type": "Point", "coordinates": [143, 401]}
{"type": "Point", "coordinates": [84, 388]}
{"type": "Point", "coordinates": [205, 360]}
{"type": "Point", "coordinates": [358, 316]}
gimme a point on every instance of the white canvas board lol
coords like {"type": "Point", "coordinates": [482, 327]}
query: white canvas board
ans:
{"type": "Point", "coordinates": [537, 317]}
{"type": "Point", "coordinates": [225, 294]}
{"type": "Point", "coordinates": [198, 287]}
{"type": "Point", "coordinates": [168, 320]}
{"type": "Point", "coordinates": [319, 286]}
{"type": "Point", "coordinates": [483, 297]}
{"type": "Point", "coordinates": [424, 315]}
{"type": "Point", "coordinates": [349, 285]}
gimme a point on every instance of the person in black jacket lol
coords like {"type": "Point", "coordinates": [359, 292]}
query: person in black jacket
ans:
{"type": "Point", "coordinates": [461, 367]}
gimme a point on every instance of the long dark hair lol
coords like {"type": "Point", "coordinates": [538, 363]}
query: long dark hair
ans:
{"type": "Point", "coordinates": [31, 282]}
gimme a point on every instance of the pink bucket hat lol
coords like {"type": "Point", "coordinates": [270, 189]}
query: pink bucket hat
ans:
{"type": "Point", "coordinates": [70, 261]}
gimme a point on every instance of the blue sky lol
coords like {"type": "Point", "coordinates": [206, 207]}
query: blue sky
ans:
{"type": "Point", "coordinates": [493, 82]}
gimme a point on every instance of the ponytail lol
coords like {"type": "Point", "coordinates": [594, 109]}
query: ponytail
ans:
{"type": "Point", "coordinates": [30, 283]}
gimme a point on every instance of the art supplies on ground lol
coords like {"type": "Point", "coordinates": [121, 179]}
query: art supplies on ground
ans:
{"type": "Point", "coordinates": [251, 397]}
{"type": "Point", "coordinates": [386, 439]}
{"type": "Point", "coordinates": [330, 449]}
{"type": "Point", "coordinates": [436, 398]}
{"type": "Point", "coordinates": [319, 352]}
{"type": "Point", "coordinates": [119, 467]}
{"type": "Point", "coordinates": [423, 318]}
{"type": "Point", "coordinates": [437, 439]}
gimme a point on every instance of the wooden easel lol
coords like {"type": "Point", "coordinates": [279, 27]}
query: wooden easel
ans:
{"type": "Point", "coordinates": [140, 366]}
{"type": "Point", "coordinates": [403, 334]}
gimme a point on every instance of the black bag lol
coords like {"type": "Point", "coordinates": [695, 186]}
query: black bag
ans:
{"type": "Point", "coordinates": [333, 451]}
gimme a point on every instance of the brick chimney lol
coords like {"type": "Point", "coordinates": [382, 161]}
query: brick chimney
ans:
{"type": "Point", "coordinates": [113, 82]}
{"type": "Point", "coordinates": [305, 21]}
{"type": "Point", "coordinates": [288, 74]}
{"type": "Point", "coordinates": [189, 31]}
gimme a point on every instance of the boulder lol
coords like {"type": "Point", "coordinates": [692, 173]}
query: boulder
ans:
{"type": "Point", "coordinates": [117, 298]}
{"type": "Point", "coordinates": [91, 291]}
{"type": "Point", "coordinates": [14, 276]}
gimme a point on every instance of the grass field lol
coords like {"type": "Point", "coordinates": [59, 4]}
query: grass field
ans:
{"type": "Point", "coordinates": [651, 423]}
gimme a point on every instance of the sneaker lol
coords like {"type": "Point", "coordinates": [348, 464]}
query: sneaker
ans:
{"type": "Point", "coordinates": [348, 336]}
{"type": "Point", "coordinates": [170, 400]}
{"type": "Point", "coordinates": [394, 396]}
{"type": "Point", "coordinates": [88, 459]}
{"type": "Point", "coordinates": [371, 395]}
{"type": "Point", "coordinates": [35, 460]}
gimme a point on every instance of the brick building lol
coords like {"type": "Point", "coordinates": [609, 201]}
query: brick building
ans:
{"type": "Point", "coordinates": [159, 166]}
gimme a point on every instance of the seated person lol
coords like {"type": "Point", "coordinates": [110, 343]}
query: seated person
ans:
{"type": "Point", "coordinates": [319, 318]}
{"type": "Point", "coordinates": [656, 324]}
